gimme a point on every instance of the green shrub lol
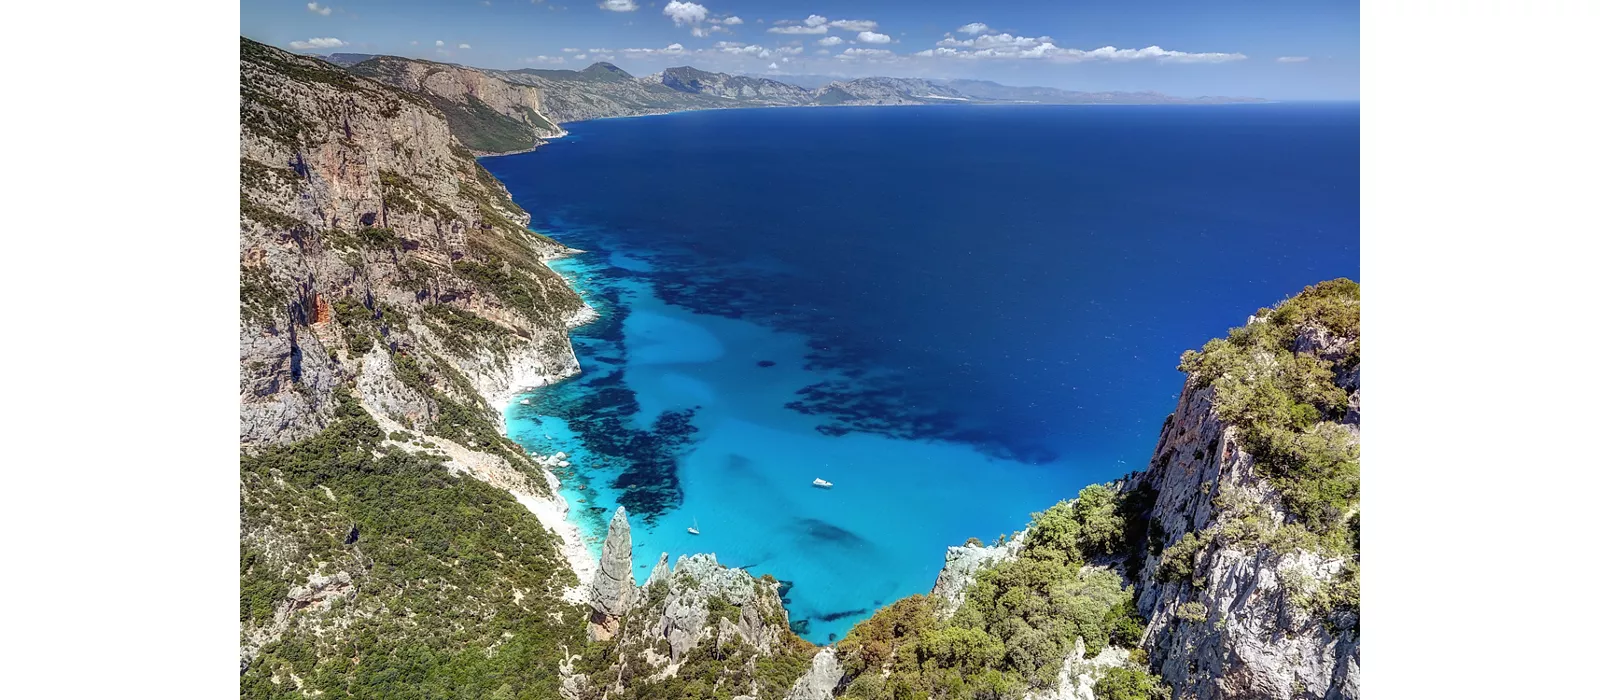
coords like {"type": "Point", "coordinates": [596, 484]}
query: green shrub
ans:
{"type": "Point", "coordinates": [1192, 611]}
{"type": "Point", "coordinates": [1120, 683]}
{"type": "Point", "coordinates": [1020, 618]}
{"type": "Point", "coordinates": [437, 561]}
{"type": "Point", "coordinates": [1286, 405]}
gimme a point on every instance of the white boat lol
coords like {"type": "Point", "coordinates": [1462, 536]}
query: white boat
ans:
{"type": "Point", "coordinates": [819, 483]}
{"type": "Point", "coordinates": [695, 529]}
{"type": "Point", "coordinates": [526, 402]}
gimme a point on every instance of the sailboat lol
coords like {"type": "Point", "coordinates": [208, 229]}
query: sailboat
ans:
{"type": "Point", "coordinates": [822, 483]}
{"type": "Point", "coordinates": [695, 529]}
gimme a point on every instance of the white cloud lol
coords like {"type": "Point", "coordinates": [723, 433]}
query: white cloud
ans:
{"type": "Point", "coordinates": [570, 50]}
{"type": "Point", "coordinates": [619, 5]}
{"type": "Point", "coordinates": [683, 13]}
{"type": "Point", "coordinates": [791, 50]}
{"type": "Point", "coordinates": [731, 20]}
{"type": "Point", "coordinates": [1006, 46]}
{"type": "Point", "coordinates": [815, 24]}
{"type": "Point", "coordinates": [865, 53]}
{"type": "Point", "coordinates": [737, 48]}
{"type": "Point", "coordinates": [1293, 59]}
{"type": "Point", "coordinates": [548, 60]}
{"type": "Point", "coordinates": [830, 41]}
{"type": "Point", "coordinates": [772, 66]}
{"type": "Point", "coordinates": [580, 56]}
{"type": "Point", "coordinates": [973, 28]}
{"type": "Point", "coordinates": [319, 9]}
{"type": "Point", "coordinates": [438, 42]}
{"type": "Point", "coordinates": [464, 46]}
{"type": "Point", "coordinates": [873, 38]}
{"type": "Point", "coordinates": [321, 42]}
{"type": "Point", "coordinates": [795, 29]}
{"type": "Point", "coordinates": [853, 25]}
{"type": "Point", "coordinates": [1113, 53]}
{"type": "Point", "coordinates": [673, 49]}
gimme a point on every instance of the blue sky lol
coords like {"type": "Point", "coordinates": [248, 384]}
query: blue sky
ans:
{"type": "Point", "coordinates": [1281, 49]}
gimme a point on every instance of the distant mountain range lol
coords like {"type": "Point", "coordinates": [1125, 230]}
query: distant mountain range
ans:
{"type": "Point", "coordinates": [498, 111]}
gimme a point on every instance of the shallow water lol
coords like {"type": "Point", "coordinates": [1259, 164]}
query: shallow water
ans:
{"type": "Point", "coordinates": [956, 333]}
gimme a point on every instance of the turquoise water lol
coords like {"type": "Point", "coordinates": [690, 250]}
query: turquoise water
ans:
{"type": "Point", "coordinates": [745, 474]}
{"type": "Point", "coordinates": [957, 315]}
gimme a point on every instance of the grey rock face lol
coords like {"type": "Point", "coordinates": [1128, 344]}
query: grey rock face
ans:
{"type": "Point", "coordinates": [1078, 674]}
{"type": "Point", "coordinates": [1253, 640]}
{"type": "Point", "coordinates": [380, 389]}
{"type": "Point", "coordinates": [660, 572]}
{"type": "Point", "coordinates": [686, 607]}
{"type": "Point", "coordinates": [961, 567]}
{"type": "Point", "coordinates": [612, 591]}
{"type": "Point", "coordinates": [820, 680]}
{"type": "Point", "coordinates": [357, 200]}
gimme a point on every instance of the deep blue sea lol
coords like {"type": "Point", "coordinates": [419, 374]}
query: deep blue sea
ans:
{"type": "Point", "coordinates": [959, 315]}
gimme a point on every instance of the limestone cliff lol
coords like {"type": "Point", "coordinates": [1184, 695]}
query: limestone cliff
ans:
{"type": "Point", "coordinates": [390, 297]}
{"type": "Point", "coordinates": [1242, 601]}
{"type": "Point", "coordinates": [697, 629]}
{"type": "Point", "coordinates": [488, 114]}
{"type": "Point", "coordinates": [364, 223]}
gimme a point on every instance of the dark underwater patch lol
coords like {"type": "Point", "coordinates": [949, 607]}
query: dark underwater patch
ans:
{"type": "Point", "coordinates": [830, 617]}
{"type": "Point", "coordinates": [830, 533]}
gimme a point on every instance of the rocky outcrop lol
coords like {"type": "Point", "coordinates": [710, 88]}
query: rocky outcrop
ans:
{"type": "Point", "coordinates": [756, 91]}
{"type": "Point", "coordinates": [820, 680]}
{"type": "Point", "coordinates": [488, 114]}
{"type": "Point", "coordinates": [611, 593]}
{"type": "Point", "coordinates": [962, 564]}
{"type": "Point", "coordinates": [887, 91]}
{"type": "Point", "coordinates": [699, 604]}
{"type": "Point", "coordinates": [364, 224]}
{"type": "Point", "coordinates": [1078, 674]}
{"type": "Point", "coordinates": [383, 392]}
{"type": "Point", "coordinates": [1239, 626]}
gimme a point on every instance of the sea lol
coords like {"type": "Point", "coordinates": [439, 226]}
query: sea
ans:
{"type": "Point", "coordinates": [956, 315]}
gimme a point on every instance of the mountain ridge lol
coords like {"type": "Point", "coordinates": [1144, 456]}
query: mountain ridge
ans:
{"type": "Point", "coordinates": [602, 90]}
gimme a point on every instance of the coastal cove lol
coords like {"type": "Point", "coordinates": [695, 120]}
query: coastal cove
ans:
{"type": "Point", "coordinates": [767, 308]}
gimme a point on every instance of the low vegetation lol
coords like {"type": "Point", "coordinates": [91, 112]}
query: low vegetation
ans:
{"type": "Point", "coordinates": [1020, 619]}
{"type": "Point", "coordinates": [456, 587]}
{"type": "Point", "coordinates": [1287, 408]}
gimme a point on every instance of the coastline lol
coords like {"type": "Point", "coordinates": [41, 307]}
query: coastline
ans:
{"type": "Point", "coordinates": [552, 512]}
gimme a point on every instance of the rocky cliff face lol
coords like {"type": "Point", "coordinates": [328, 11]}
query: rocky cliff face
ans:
{"type": "Point", "coordinates": [611, 592]}
{"type": "Point", "coordinates": [887, 91]}
{"type": "Point", "coordinates": [487, 114]}
{"type": "Point", "coordinates": [729, 87]}
{"type": "Point", "coordinates": [365, 223]}
{"type": "Point", "coordinates": [390, 297]}
{"type": "Point", "coordinates": [696, 629]}
{"type": "Point", "coordinates": [1252, 619]}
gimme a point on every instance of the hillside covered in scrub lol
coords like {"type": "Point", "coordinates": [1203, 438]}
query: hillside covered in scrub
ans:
{"type": "Point", "coordinates": [394, 544]}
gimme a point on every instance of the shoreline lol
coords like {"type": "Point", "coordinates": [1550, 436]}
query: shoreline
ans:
{"type": "Point", "coordinates": [553, 512]}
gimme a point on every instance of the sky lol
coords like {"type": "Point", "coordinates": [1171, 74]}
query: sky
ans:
{"type": "Point", "coordinates": [1277, 49]}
